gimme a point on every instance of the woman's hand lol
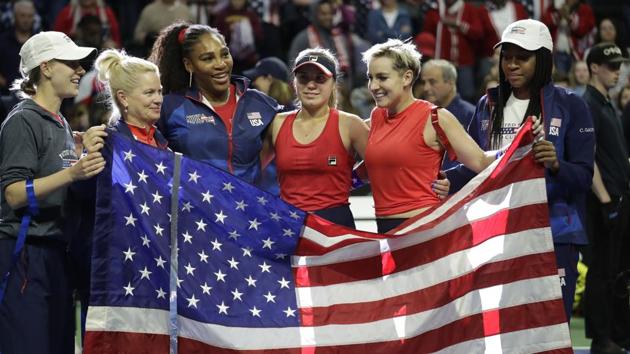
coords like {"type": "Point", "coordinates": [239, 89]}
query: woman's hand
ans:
{"type": "Point", "coordinates": [537, 128]}
{"type": "Point", "coordinates": [441, 186]}
{"type": "Point", "coordinates": [545, 153]}
{"type": "Point", "coordinates": [94, 138]}
{"type": "Point", "coordinates": [87, 167]}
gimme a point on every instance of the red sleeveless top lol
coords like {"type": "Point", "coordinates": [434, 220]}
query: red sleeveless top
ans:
{"type": "Point", "coordinates": [317, 175]}
{"type": "Point", "coordinates": [401, 167]}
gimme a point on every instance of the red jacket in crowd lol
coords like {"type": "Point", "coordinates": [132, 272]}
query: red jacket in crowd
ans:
{"type": "Point", "coordinates": [456, 29]}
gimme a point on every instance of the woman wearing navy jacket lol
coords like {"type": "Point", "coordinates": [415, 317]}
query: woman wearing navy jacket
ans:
{"type": "Point", "coordinates": [526, 89]}
{"type": "Point", "coordinates": [208, 114]}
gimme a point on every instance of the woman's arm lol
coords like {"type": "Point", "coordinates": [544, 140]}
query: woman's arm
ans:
{"type": "Point", "coordinates": [467, 150]}
{"type": "Point", "coordinates": [87, 167]}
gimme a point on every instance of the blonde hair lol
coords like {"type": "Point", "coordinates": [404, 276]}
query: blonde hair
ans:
{"type": "Point", "coordinates": [318, 51]}
{"type": "Point", "coordinates": [119, 71]}
{"type": "Point", "coordinates": [404, 56]}
{"type": "Point", "coordinates": [281, 91]}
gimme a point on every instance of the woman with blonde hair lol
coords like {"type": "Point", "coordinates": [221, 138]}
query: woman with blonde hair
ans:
{"type": "Point", "coordinates": [135, 96]}
{"type": "Point", "coordinates": [408, 137]}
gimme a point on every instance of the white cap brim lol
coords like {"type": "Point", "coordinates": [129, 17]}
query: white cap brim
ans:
{"type": "Point", "coordinates": [318, 65]}
{"type": "Point", "coordinates": [530, 47]}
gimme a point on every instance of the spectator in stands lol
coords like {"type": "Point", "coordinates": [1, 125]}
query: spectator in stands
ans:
{"type": "Point", "coordinates": [72, 13]}
{"type": "Point", "coordinates": [388, 21]}
{"type": "Point", "coordinates": [155, 17]}
{"type": "Point", "coordinates": [457, 27]}
{"type": "Point", "coordinates": [315, 145]}
{"type": "Point", "coordinates": [12, 40]}
{"type": "Point", "coordinates": [242, 30]}
{"type": "Point", "coordinates": [439, 80]}
{"type": "Point", "coordinates": [536, 8]}
{"type": "Point", "coordinates": [623, 98]}
{"type": "Point", "coordinates": [571, 23]}
{"type": "Point", "coordinates": [208, 114]}
{"type": "Point", "coordinates": [90, 106]}
{"type": "Point", "coordinates": [605, 314]}
{"type": "Point", "coordinates": [347, 48]}
{"type": "Point", "coordinates": [526, 89]}
{"type": "Point", "coordinates": [578, 77]}
{"type": "Point", "coordinates": [402, 182]}
{"type": "Point", "coordinates": [607, 33]}
{"type": "Point", "coordinates": [495, 16]}
{"type": "Point", "coordinates": [38, 161]}
{"type": "Point", "coordinates": [203, 12]}
{"type": "Point", "coordinates": [625, 120]}
{"type": "Point", "coordinates": [7, 16]}
{"type": "Point", "coordinates": [271, 77]}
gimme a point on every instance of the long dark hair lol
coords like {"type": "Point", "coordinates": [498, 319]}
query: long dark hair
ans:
{"type": "Point", "coordinates": [171, 47]}
{"type": "Point", "coordinates": [542, 76]}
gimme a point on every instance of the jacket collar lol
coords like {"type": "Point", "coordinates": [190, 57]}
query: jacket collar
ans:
{"type": "Point", "coordinates": [240, 82]}
{"type": "Point", "coordinates": [123, 128]}
{"type": "Point", "coordinates": [546, 94]}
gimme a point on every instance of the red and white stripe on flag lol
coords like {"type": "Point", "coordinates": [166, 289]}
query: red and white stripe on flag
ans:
{"type": "Point", "coordinates": [477, 274]}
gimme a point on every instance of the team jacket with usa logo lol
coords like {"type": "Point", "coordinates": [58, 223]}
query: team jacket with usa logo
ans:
{"type": "Point", "coordinates": [569, 126]}
{"type": "Point", "coordinates": [194, 129]}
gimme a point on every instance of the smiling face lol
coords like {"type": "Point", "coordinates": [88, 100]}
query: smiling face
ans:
{"type": "Point", "coordinates": [388, 86]}
{"type": "Point", "coordinates": [211, 64]}
{"type": "Point", "coordinates": [144, 101]}
{"type": "Point", "coordinates": [64, 77]}
{"type": "Point", "coordinates": [519, 66]}
{"type": "Point", "coordinates": [313, 88]}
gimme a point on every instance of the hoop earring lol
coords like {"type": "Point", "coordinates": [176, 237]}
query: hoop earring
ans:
{"type": "Point", "coordinates": [190, 79]}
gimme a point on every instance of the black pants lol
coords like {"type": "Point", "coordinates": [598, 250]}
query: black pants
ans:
{"type": "Point", "coordinates": [606, 309]}
{"type": "Point", "coordinates": [36, 314]}
{"type": "Point", "coordinates": [341, 215]}
{"type": "Point", "coordinates": [384, 225]}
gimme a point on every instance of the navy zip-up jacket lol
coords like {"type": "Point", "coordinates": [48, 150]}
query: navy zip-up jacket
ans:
{"type": "Point", "coordinates": [569, 126]}
{"type": "Point", "coordinates": [196, 130]}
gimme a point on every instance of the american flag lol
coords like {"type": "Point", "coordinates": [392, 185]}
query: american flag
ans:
{"type": "Point", "coordinates": [249, 273]}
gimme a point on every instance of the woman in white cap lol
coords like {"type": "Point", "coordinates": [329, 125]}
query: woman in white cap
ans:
{"type": "Point", "coordinates": [38, 160]}
{"type": "Point", "coordinates": [525, 89]}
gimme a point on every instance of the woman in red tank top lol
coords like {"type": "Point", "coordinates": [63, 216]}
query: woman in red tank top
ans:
{"type": "Point", "coordinates": [315, 145]}
{"type": "Point", "coordinates": [404, 151]}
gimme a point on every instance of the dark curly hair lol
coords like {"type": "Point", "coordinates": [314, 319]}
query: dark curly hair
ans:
{"type": "Point", "coordinates": [542, 76]}
{"type": "Point", "coordinates": [168, 53]}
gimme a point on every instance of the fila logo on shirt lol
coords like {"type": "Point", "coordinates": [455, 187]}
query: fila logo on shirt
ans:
{"type": "Point", "coordinates": [554, 126]}
{"type": "Point", "coordinates": [332, 160]}
{"type": "Point", "coordinates": [255, 119]}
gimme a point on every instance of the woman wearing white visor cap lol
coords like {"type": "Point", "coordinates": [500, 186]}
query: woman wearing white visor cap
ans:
{"type": "Point", "coordinates": [38, 160]}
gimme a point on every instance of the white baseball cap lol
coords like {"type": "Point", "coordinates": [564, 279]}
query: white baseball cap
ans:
{"type": "Point", "coordinates": [528, 34]}
{"type": "Point", "coordinates": [50, 45]}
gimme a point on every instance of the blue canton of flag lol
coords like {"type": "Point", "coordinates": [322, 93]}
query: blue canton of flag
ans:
{"type": "Point", "coordinates": [233, 241]}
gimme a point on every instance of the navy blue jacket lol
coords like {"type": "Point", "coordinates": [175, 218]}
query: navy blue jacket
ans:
{"type": "Point", "coordinates": [572, 135]}
{"type": "Point", "coordinates": [196, 130]}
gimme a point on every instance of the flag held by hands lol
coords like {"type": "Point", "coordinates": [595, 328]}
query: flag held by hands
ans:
{"type": "Point", "coordinates": [189, 258]}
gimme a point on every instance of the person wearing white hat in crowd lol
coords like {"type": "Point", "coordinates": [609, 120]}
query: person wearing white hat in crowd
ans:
{"type": "Point", "coordinates": [38, 161]}
{"type": "Point", "coordinates": [567, 150]}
